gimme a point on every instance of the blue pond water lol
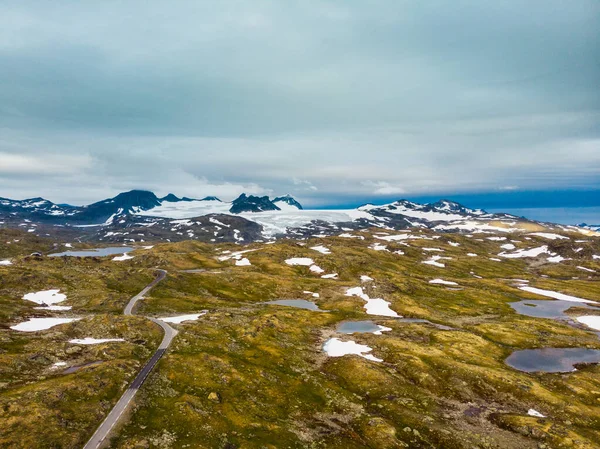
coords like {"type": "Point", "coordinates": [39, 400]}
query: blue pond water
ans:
{"type": "Point", "coordinates": [551, 360]}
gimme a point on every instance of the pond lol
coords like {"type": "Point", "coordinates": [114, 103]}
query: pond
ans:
{"type": "Point", "coordinates": [95, 252]}
{"type": "Point", "coordinates": [360, 327]}
{"type": "Point", "coordinates": [546, 308]}
{"type": "Point", "coordinates": [298, 303]}
{"type": "Point", "coordinates": [551, 360]}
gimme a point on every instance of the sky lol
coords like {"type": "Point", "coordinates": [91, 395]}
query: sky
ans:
{"type": "Point", "coordinates": [334, 102]}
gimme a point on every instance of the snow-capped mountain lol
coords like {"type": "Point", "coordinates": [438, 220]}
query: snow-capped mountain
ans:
{"type": "Point", "coordinates": [287, 202]}
{"type": "Point", "coordinates": [140, 215]}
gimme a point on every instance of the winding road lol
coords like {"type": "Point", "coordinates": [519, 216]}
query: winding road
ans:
{"type": "Point", "coordinates": [121, 406]}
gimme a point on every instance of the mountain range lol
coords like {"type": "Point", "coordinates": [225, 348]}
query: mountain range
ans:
{"type": "Point", "coordinates": [140, 215]}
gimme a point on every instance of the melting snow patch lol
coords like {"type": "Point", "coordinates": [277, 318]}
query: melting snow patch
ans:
{"type": "Point", "coordinates": [316, 269]}
{"type": "Point", "coordinates": [556, 259]}
{"type": "Point", "coordinates": [455, 244]}
{"type": "Point", "coordinates": [587, 269]}
{"type": "Point", "coordinates": [330, 276]}
{"type": "Point", "coordinates": [434, 261]}
{"type": "Point", "coordinates": [46, 297]}
{"type": "Point", "coordinates": [495, 259]}
{"type": "Point", "coordinates": [243, 262]}
{"type": "Point", "coordinates": [351, 236]}
{"type": "Point", "coordinates": [555, 295]}
{"type": "Point", "coordinates": [335, 347]}
{"type": "Point", "coordinates": [93, 341]}
{"type": "Point", "coordinates": [321, 249]}
{"type": "Point", "coordinates": [304, 261]}
{"type": "Point", "coordinates": [365, 278]}
{"type": "Point", "coordinates": [471, 254]}
{"type": "Point", "coordinates": [5, 262]}
{"type": "Point", "coordinates": [181, 318]}
{"type": "Point", "coordinates": [378, 247]}
{"type": "Point", "coordinates": [432, 249]}
{"type": "Point", "coordinates": [125, 256]}
{"type": "Point", "coordinates": [373, 306]}
{"type": "Point", "coordinates": [441, 281]}
{"type": "Point", "coordinates": [496, 239]}
{"type": "Point", "coordinates": [532, 412]}
{"type": "Point", "coordinates": [548, 235]}
{"type": "Point", "coordinates": [508, 246]}
{"type": "Point", "coordinates": [532, 252]}
{"type": "Point", "coordinates": [314, 295]}
{"type": "Point", "coordinates": [592, 321]}
{"type": "Point", "coordinates": [40, 324]}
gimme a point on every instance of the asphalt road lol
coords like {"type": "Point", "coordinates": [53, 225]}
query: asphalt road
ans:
{"type": "Point", "coordinates": [121, 406]}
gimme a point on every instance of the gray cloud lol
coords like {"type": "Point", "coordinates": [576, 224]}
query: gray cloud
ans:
{"type": "Point", "coordinates": [325, 100]}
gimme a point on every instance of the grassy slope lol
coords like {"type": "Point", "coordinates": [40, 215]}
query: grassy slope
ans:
{"type": "Point", "coordinates": [274, 386]}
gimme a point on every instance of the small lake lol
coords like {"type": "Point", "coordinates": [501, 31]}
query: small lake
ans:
{"type": "Point", "coordinates": [298, 303]}
{"type": "Point", "coordinates": [551, 360]}
{"type": "Point", "coordinates": [359, 327]}
{"type": "Point", "coordinates": [95, 252]}
{"type": "Point", "coordinates": [546, 308]}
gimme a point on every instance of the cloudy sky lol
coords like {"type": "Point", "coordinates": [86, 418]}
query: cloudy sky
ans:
{"type": "Point", "coordinates": [327, 100]}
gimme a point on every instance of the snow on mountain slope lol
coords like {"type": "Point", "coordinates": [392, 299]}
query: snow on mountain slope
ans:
{"type": "Point", "coordinates": [187, 209]}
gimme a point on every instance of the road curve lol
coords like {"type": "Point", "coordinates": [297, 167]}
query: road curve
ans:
{"type": "Point", "coordinates": [121, 406]}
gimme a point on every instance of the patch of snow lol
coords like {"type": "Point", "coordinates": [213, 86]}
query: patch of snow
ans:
{"type": "Point", "coordinates": [378, 247]}
{"type": "Point", "coordinates": [548, 235]}
{"type": "Point", "coordinates": [434, 261]}
{"type": "Point", "coordinates": [181, 318]}
{"type": "Point", "coordinates": [556, 259]}
{"type": "Point", "coordinates": [586, 269]}
{"type": "Point", "coordinates": [335, 347]}
{"type": "Point", "coordinates": [373, 306]}
{"type": "Point", "coordinates": [532, 252]}
{"type": "Point", "coordinates": [432, 249]}
{"type": "Point", "coordinates": [351, 236]}
{"type": "Point", "coordinates": [496, 238]}
{"type": "Point", "coordinates": [471, 254]}
{"type": "Point", "coordinates": [125, 256]}
{"type": "Point", "coordinates": [314, 295]}
{"type": "Point", "coordinates": [532, 412]}
{"type": "Point", "coordinates": [5, 262]}
{"type": "Point", "coordinates": [316, 269]}
{"type": "Point", "coordinates": [508, 246]}
{"type": "Point", "coordinates": [54, 308]}
{"type": "Point", "coordinates": [47, 297]}
{"type": "Point", "coordinates": [592, 321]}
{"type": "Point", "coordinates": [555, 295]}
{"type": "Point", "coordinates": [365, 278]}
{"type": "Point", "coordinates": [330, 276]}
{"type": "Point", "coordinates": [304, 261]}
{"type": "Point", "coordinates": [321, 249]}
{"type": "Point", "coordinates": [68, 245]}
{"type": "Point", "coordinates": [441, 281]}
{"type": "Point", "coordinates": [243, 262]}
{"type": "Point", "coordinates": [495, 259]}
{"type": "Point", "coordinates": [93, 341]}
{"type": "Point", "coordinates": [40, 324]}
{"type": "Point", "coordinates": [455, 244]}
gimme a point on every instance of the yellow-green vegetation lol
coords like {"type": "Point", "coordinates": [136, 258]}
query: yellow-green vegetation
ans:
{"type": "Point", "coordinates": [252, 375]}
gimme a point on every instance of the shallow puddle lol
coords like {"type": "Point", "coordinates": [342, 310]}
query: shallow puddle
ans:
{"type": "Point", "coordinates": [551, 360]}
{"type": "Point", "coordinates": [95, 252]}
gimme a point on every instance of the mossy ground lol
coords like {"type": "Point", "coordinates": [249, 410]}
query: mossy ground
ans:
{"type": "Point", "coordinates": [252, 375]}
